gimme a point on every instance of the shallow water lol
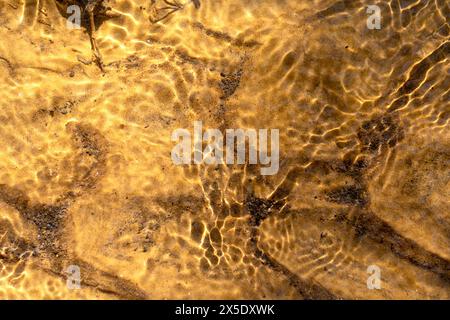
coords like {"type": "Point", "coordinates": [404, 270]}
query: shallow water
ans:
{"type": "Point", "coordinates": [86, 176]}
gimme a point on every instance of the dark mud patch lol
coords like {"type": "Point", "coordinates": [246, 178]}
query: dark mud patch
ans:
{"type": "Point", "coordinates": [338, 7]}
{"type": "Point", "coordinates": [223, 36]}
{"type": "Point", "coordinates": [308, 290]}
{"type": "Point", "coordinates": [229, 83]}
{"type": "Point", "coordinates": [47, 219]}
{"type": "Point", "coordinates": [350, 195]}
{"type": "Point", "coordinates": [379, 133]}
{"type": "Point", "coordinates": [259, 209]}
{"type": "Point", "coordinates": [180, 203]}
{"type": "Point", "coordinates": [419, 71]}
{"type": "Point", "coordinates": [94, 148]}
{"type": "Point", "coordinates": [59, 109]}
{"type": "Point", "coordinates": [367, 224]}
{"type": "Point", "coordinates": [13, 248]}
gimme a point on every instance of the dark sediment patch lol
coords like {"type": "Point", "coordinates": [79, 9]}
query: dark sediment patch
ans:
{"type": "Point", "coordinates": [179, 203]}
{"type": "Point", "coordinates": [48, 219]}
{"type": "Point", "coordinates": [380, 132]}
{"type": "Point", "coordinates": [109, 283]}
{"type": "Point", "coordinates": [229, 83]}
{"type": "Point", "coordinates": [338, 7]}
{"type": "Point", "coordinates": [308, 290]}
{"type": "Point", "coordinates": [259, 210]}
{"type": "Point", "coordinates": [419, 71]}
{"type": "Point", "coordinates": [223, 36]}
{"type": "Point", "coordinates": [367, 224]}
{"type": "Point", "coordinates": [93, 146]}
{"type": "Point", "coordinates": [14, 248]}
{"type": "Point", "coordinates": [352, 195]}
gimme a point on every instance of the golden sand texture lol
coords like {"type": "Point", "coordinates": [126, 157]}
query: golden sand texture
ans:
{"type": "Point", "coordinates": [86, 176]}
